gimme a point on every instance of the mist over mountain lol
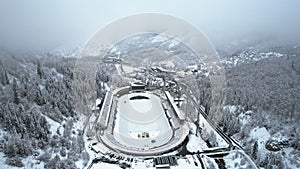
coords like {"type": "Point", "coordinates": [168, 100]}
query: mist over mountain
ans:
{"type": "Point", "coordinates": [40, 26]}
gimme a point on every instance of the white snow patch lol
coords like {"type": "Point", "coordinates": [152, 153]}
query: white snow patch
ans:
{"type": "Point", "coordinates": [173, 44]}
{"type": "Point", "coordinates": [209, 129]}
{"type": "Point", "coordinates": [106, 87]}
{"type": "Point", "coordinates": [262, 136]}
{"type": "Point", "coordinates": [106, 166]}
{"type": "Point", "coordinates": [118, 68]}
{"type": "Point", "coordinates": [53, 125]}
{"type": "Point", "coordinates": [42, 87]}
{"type": "Point", "coordinates": [60, 75]}
{"type": "Point", "coordinates": [187, 162]}
{"type": "Point", "coordinates": [128, 69]}
{"type": "Point", "coordinates": [193, 127]}
{"type": "Point", "coordinates": [78, 125]}
{"type": "Point", "coordinates": [195, 144]}
{"type": "Point", "coordinates": [245, 117]}
{"type": "Point", "coordinates": [231, 108]}
{"type": "Point", "coordinates": [79, 164]}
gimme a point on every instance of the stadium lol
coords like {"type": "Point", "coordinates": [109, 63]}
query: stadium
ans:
{"type": "Point", "coordinates": [136, 121]}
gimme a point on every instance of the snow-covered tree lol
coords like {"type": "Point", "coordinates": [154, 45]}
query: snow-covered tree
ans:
{"type": "Point", "coordinates": [39, 69]}
{"type": "Point", "coordinates": [16, 92]}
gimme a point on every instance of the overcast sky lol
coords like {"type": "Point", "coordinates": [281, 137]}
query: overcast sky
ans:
{"type": "Point", "coordinates": [52, 24]}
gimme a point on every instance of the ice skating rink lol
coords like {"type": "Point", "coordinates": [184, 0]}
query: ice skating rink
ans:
{"type": "Point", "coordinates": [141, 121]}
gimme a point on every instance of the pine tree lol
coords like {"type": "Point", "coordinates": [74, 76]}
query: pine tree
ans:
{"type": "Point", "coordinates": [10, 148]}
{"type": "Point", "coordinates": [15, 90]}
{"type": "Point", "coordinates": [254, 150]}
{"type": "Point", "coordinates": [39, 99]}
{"type": "Point", "coordinates": [6, 77]}
{"type": "Point", "coordinates": [39, 70]}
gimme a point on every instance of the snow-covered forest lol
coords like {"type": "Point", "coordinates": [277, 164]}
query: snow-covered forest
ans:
{"type": "Point", "coordinates": [38, 121]}
{"type": "Point", "coordinates": [263, 104]}
{"type": "Point", "coordinates": [41, 129]}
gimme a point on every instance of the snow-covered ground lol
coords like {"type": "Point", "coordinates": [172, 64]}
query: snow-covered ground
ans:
{"type": "Point", "coordinates": [262, 136]}
{"type": "Point", "coordinates": [209, 130]}
{"type": "Point", "coordinates": [105, 165]}
{"type": "Point", "coordinates": [238, 159]}
{"type": "Point", "coordinates": [54, 126]}
{"type": "Point", "coordinates": [195, 143]}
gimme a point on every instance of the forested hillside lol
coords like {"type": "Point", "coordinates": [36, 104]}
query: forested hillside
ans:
{"type": "Point", "coordinates": [262, 103]}
{"type": "Point", "coordinates": [37, 116]}
{"type": "Point", "coordinates": [263, 108]}
{"type": "Point", "coordinates": [270, 84]}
